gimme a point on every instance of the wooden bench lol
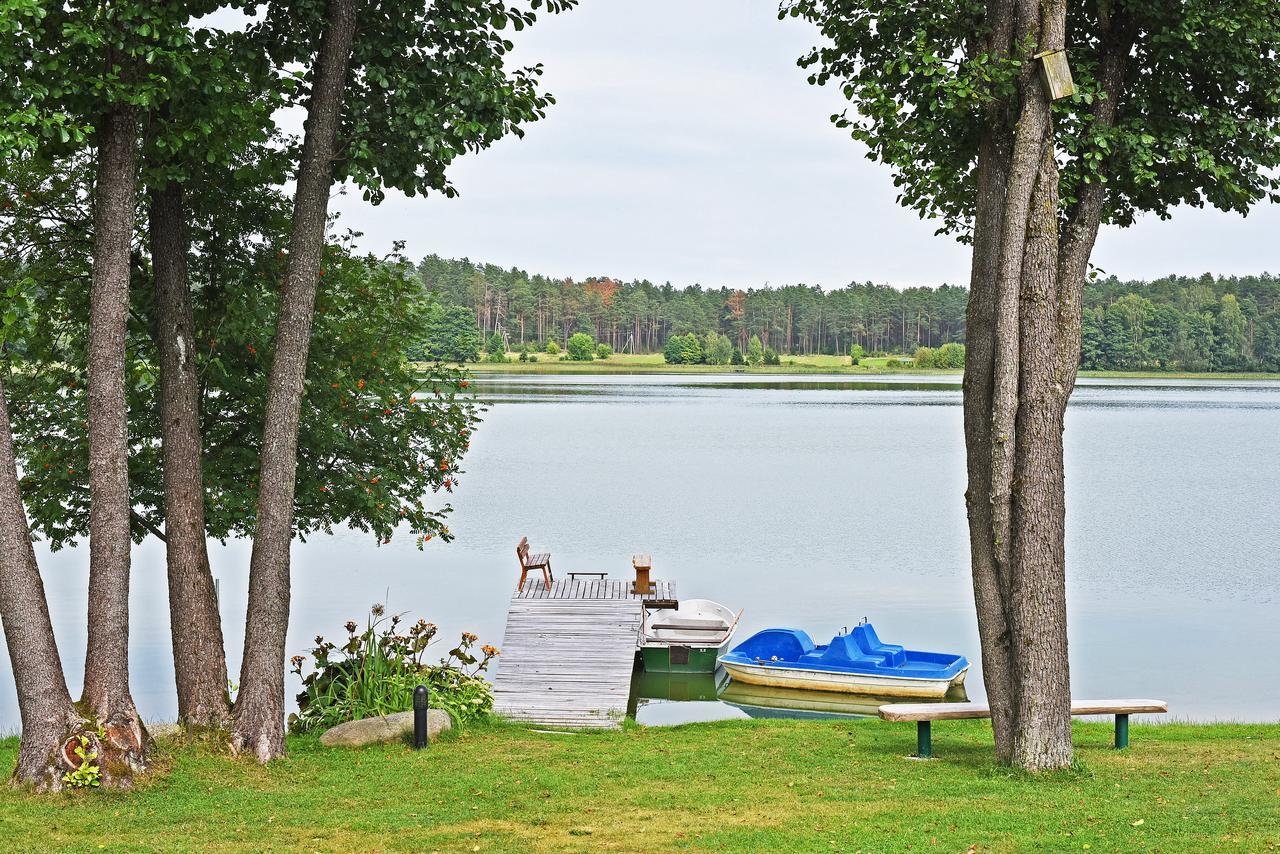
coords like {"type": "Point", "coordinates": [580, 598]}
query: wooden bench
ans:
{"type": "Point", "coordinates": [530, 562]}
{"type": "Point", "coordinates": [925, 713]}
{"type": "Point", "coordinates": [599, 575]}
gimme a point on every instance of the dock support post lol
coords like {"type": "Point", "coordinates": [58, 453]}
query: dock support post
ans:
{"type": "Point", "coordinates": [1122, 732]}
{"type": "Point", "coordinates": [924, 740]}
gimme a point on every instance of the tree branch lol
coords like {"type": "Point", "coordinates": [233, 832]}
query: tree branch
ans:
{"type": "Point", "coordinates": [146, 523]}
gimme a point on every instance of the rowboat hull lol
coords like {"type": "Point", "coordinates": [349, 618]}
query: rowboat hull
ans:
{"type": "Point", "coordinates": [687, 639]}
{"type": "Point", "coordinates": [681, 658]}
{"type": "Point", "coordinates": [844, 683]}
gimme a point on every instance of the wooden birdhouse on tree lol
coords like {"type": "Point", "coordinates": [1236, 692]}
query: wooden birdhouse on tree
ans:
{"type": "Point", "coordinates": [1055, 74]}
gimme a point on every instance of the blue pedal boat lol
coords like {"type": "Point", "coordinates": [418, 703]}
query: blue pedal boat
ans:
{"type": "Point", "coordinates": [853, 663]}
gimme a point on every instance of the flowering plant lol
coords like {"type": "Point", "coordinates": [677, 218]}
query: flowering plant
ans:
{"type": "Point", "coordinates": [375, 671]}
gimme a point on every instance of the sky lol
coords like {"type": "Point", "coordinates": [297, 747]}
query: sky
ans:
{"type": "Point", "coordinates": [687, 146]}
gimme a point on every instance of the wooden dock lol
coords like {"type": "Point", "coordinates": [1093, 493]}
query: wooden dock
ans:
{"type": "Point", "coordinates": [568, 652]}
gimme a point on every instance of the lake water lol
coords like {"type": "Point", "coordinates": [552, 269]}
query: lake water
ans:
{"type": "Point", "coordinates": [813, 502]}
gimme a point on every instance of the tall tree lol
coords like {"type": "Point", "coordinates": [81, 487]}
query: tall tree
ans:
{"type": "Point", "coordinates": [259, 710]}
{"type": "Point", "coordinates": [1176, 104]}
{"type": "Point", "coordinates": [44, 703]}
{"type": "Point", "coordinates": [199, 660]}
{"type": "Point", "coordinates": [106, 668]}
{"type": "Point", "coordinates": [396, 93]}
{"type": "Point", "coordinates": [124, 39]}
{"type": "Point", "coordinates": [213, 133]}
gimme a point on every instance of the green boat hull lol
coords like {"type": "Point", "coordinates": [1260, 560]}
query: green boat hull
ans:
{"type": "Point", "coordinates": [681, 659]}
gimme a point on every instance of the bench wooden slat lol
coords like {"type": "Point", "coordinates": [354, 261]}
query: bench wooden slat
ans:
{"type": "Point", "coordinates": [967, 711]}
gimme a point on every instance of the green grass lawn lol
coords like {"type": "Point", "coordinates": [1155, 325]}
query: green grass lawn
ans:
{"type": "Point", "coordinates": [755, 786]}
{"type": "Point", "coordinates": [653, 363]}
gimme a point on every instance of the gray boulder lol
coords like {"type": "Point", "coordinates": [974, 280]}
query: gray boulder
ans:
{"type": "Point", "coordinates": [397, 727]}
{"type": "Point", "coordinates": [166, 732]}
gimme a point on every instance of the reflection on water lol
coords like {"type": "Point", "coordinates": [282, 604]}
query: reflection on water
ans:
{"type": "Point", "coordinates": [671, 699]}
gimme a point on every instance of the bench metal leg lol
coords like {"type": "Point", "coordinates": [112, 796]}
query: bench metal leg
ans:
{"type": "Point", "coordinates": [924, 740]}
{"type": "Point", "coordinates": [1122, 732]}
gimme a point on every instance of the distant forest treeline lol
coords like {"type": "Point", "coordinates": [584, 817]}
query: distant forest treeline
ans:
{"type": "Point", "coordinates": [1174, 323]}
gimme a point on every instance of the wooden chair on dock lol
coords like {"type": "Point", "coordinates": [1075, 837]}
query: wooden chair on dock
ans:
{"type": "Point", "coordinates": [531, 562]}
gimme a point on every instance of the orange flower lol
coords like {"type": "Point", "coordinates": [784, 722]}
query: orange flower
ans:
{"type": "Point", "coordinates": [360, 384]}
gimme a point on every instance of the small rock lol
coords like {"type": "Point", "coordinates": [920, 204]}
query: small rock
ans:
{"type": "Point", "coordinates": [165, 732]}
{"type": "Point", "coordinates": [397, 727]}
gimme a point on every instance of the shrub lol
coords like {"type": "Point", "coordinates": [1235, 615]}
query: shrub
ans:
{"type": "Point", "coordinates": [894, 363]}
{"type": "Point", "coordinates": [771, 356]}
{"type": "Point", "coordinates": [717, 349]}
{"type": "Point", "coordinates": [603, 351]}
{"type": "Point", "coordinates": [580, 347]}
{"type": "Point", "coordinates": [683, 350]}
{"type": "Point", "coordinates": [691, 350]}
{"type": "Point", "coordinates": [736, 358]}
{"type": "Point", "coordinates": [755, 353]}
{"type": "Point", "coordinates": [552, 348]}
{"type": "Point", "coordinates": [673, 350]}
{"type": "Point", "coordinates": [533, 357]}
{"type": "Point", "coordinates": [449, 335]}
{"type": "Point", "coordinates": [496, 348]}
{"type": "Point", "coordinates": [856, 353]}
{"type": "Point", "coordinates": [374, 673]}
{"type": "Point", "coordinates": [949, 356]}
{"type": "Point", "coordinates": [924, 357]}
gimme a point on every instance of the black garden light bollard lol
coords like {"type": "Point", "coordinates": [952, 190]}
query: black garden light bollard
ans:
{"type": "Point", "coordinates": [420, 706]}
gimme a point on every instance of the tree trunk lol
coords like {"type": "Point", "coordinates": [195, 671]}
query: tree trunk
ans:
{"type": "Point", "coordinates": [199, 658]}
{"type": "Point", "coordinates": [259, 708]}
{"type": "Point", "coordinates": [1037, 592]}
{"type": "Point", "coordinates": [44, 704]}
{"type": "Point", "coordinates": [106, 668]}
{"type": "Point", "coordinates": [1015, 398]}
{"type": "Point", "coordinates": [992, 175]}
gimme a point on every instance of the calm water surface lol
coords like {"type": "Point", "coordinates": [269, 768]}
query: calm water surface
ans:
{"type": "Point", "coordinates": [813, 502]}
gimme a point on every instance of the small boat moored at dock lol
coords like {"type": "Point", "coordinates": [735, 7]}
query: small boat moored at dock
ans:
{"type": "Point", "coordinates": [686, 638]}
{"type": "Point", "coordinates": [853, 663]}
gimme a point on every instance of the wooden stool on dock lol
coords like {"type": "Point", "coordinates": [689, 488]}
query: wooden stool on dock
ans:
{"type": "Point", "coordinates": [643, 564]}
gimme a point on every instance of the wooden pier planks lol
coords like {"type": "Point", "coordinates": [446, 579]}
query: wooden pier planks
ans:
{"type": "Point", "coordinates": [568, 652]}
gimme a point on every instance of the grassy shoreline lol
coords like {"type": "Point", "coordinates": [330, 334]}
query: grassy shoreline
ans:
{"type": "Point", "coordinates": [762, 785]}
{"type": "Point", "coordinates": [806, 365]}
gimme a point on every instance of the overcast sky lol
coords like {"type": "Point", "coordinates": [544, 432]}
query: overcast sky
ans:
{"type": "Point", "coordinates": [686, 145]}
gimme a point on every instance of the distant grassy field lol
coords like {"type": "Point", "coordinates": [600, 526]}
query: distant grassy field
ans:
{"type": "Point", "coordinates": [652, 363]}
{"type": "Point", "coordinates": [767, 785]}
